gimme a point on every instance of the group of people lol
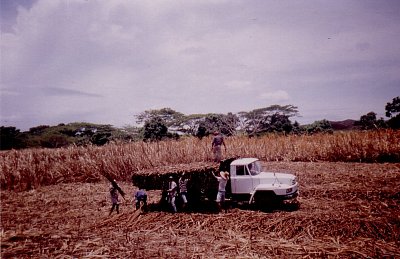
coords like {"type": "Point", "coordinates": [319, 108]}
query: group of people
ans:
{"type": "Point", "coordinates": [172, 191]}
{"type": "Point", "coordinates": [140, 199]}
{"type": "Point", "coordinates": [140, 195]}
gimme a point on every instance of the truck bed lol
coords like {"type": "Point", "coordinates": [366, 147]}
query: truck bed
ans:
{"type": "Point", "coordinates": [199, 174]}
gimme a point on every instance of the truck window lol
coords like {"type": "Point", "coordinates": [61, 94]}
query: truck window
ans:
{"type": "Point", "coordinates": [240, 170]}
{"type": "Point", "coordinates": [255, 168]}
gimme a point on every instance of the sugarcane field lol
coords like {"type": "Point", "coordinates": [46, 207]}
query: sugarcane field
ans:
{"type": "Point", "coordinates": [55, 203]}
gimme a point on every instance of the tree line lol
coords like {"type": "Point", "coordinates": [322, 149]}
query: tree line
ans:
{"type": "Point", "coordinates": [166, 123]}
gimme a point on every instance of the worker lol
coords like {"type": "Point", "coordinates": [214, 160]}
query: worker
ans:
{"type": "Point", "coordinates": [172, 190]}
{"type": "Point", "coordinates": [141, 199]}
{"type": "Point", "coordinates": [222, 181]}
{"type": "Point", "coordinates": [183, 180]}
{"type": "Point", "coordinates": [216, 144]}
{"type": "Point", "coordinates": [114, 198]}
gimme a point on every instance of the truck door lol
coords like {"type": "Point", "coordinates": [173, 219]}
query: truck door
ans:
{"type": "Point", "coordinates": [241, 181]}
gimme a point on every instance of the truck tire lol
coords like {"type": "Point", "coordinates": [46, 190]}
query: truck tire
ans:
{"type": "Point", "coordinates": [266, 200]}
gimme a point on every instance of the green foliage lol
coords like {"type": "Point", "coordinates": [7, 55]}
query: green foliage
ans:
{"type": "Point", "coordinates": [154, 129]}
{"type": "Point", "coordinates": [10, 137]}
{"type": "Point", "coordinates": [393, 107]}
{"type": "Point", "coordinates": [168, 116]}
{"type": "Point", "coordinates": [274, 118]}
{"type": "Point", "coordinates": [321, 126]}
{"type": "Point", "coordinates": [38, 130]}
{"type": "Point", "coordinates": [279, 123]}
{"type": "Point", "coordinates": [193, 125]}
{"type": "Point", "coordinates": [296, 128]}
{"type": "Point", "coordinates": [54, 140]}
{"type": "Point", "coordinates": [226, 124]}
{"type": "Point", "coordinates": [393, 112]}
{"type": "Point", "coordinates": [369, 121]}
{"type": "Point", "coordinates": [167, 123]}
{"type": "Point", "coordinates": [394, 123]}
{"type": "Point", "coordinates": [78, 133]}
{"type": "Point", "coordinates": [201, 131]}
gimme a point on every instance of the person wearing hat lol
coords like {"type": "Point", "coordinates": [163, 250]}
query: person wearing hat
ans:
{"type": "Point", "coordinates": [172, 190]}
{"type": "Point", "coordinates": [222, 181]}
{"type": "Point", "coordinates": [216, 144]}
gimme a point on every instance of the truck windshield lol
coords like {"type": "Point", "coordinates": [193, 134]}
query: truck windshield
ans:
{"type": "Point", "coordinates": [255, 168]}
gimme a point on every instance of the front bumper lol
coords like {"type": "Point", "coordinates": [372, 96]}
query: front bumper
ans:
{"type": "Point", "coordinates": [289, 196]}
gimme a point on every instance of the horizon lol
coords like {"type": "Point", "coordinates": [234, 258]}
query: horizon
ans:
{"type": "Point", "coordinates": [130, 125]}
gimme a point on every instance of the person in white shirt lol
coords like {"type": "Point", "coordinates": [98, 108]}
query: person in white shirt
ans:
{"type": "Point", "coordinates": [183, 189]}
{"type": "Point", "coordinates": [222, 181]}
{"type": "Point", "coordinates": [172, 190]}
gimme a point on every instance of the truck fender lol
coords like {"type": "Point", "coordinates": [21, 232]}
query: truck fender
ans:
{"type": "Point", "coordinates": [252, 198]}
{"type": "Point", "coordinates": [252, 195]}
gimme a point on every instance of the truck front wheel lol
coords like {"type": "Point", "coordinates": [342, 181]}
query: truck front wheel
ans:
{"type": "Point", "coordinates": [266, 200]}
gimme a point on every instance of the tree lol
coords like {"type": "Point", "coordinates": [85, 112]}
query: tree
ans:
{"type": "Point", "coordinates": [100, 138]}
{"type": "Point", "coordinates": [258, 121]}
{"type": "Point", "coordinates": [296, 128]}
{"type": "Point", "coordinates": [154, 129]}
{"type": "Point", "coordinates": [226, 124]}
{"type": "Point", "coordinates": [321, 126]}
{"type": "Point", "coordinates": [393, 112]}
{"type": "Point", "coordinates": [369, 121]}
{"type": "Point", "coordinates": [38, 130]}
{"type": "Point", "coordinates": [201, 131]}
{"type": "Point", "coordinates": [169, 116]}
{"type": "Point", "coordinates": [10, 137]}
{"type": "Point", "coordinates": [190, 124]}
{"type": "Point", "coordinates": [229, 124]}
{"type": "Point", "coordinates": [279, 123]}
{"type": "Point", "coordinates": [54, 140]}
{"type": "Point", "coordinates": [393, 108]}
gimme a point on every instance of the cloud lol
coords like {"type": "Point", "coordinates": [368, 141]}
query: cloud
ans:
{"type": "Point", "coordinates": [104, 61]}
{"type": "Point", "coordinates": [53, 91]}
{"type": "Point", "coordinates": [238, 85]}
{"type": "Point", "coordinates": [276, 96]}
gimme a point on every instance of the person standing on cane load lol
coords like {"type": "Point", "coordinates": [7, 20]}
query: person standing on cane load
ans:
{"type": "Point", "coordinates": [183, 180]}
{"type": "Point", "coordinates": [172, 190]}
{"type": "Point", "coordinates": [216, 144]}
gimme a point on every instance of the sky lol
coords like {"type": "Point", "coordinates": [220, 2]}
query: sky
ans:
{"type": "Point", "coordinates": [104, 62]}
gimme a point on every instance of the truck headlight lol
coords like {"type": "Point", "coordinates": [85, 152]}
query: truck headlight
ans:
{"type": "Point", "coordinates": [289, 190]}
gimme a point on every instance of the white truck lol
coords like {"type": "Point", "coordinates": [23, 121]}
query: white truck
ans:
{"type": "Point", "coordinates": [250, 183]}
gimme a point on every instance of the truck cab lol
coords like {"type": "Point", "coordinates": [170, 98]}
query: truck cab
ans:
{"type": "Point", "coordinates": [250, 183]}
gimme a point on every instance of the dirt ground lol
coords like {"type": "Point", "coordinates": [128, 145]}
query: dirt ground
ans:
{"type": "Point", "coordinates": [347, 210]}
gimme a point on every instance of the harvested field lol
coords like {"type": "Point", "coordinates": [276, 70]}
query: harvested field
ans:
{"type": "Point", "coordinates": [348, 210]}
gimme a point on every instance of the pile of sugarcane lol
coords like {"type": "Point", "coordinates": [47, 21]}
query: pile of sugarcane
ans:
{"type": "Point", "coordinates": [157, 178]}
{"type": "Point", "coordinates": [200, 175]}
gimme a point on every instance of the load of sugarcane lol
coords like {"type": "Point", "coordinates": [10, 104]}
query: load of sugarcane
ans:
{"type": "Point", "coordinates": [202, 182]}
{"type": "Point", "coordinates": [157, 178]}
